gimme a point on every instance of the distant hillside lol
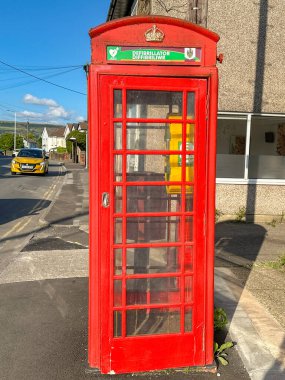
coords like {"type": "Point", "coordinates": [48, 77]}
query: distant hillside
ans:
{"type": "Point", "coordinates": [35, 128]}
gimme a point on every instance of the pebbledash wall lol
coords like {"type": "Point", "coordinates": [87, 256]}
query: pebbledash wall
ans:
{"type": "Point", "coordinates": [252, 83]}
{"type": "Point", "coordinates": [251, 125]}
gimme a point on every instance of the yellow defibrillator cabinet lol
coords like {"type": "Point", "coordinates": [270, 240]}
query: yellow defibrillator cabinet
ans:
{"type": "Point", "coordinates": [173, 165]}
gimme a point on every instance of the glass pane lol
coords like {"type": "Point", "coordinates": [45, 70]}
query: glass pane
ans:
{"type": "Point", "coordinates": [153, 229]}
{"type": "Point", "coordinates": [190, 105]}
{"type": "Point", "coordinates": [153, 104]}
{"type": "Point", "coordinates": [146, 136]}
{"type": "Point", "coordinates": [152, 199]}
{"type": "Point", "coordinates": [188, 321]}
{"type": "Point", "coordinates": [174, 132]}
{"type": "Point", "coordinates": [153, 291]}
{"type": "Point", "coordinates": [118, 231]}
{"type": "Point", "coordinates": [153, 260]}
{"type": "Point", "coordinates": [189, 199]}
{"type": "Point", "coordinates": [159, 136]}
{"type": "Point", "coordinates": [153, 321]}
{"type": "Point", "coordinates": [117, 293]}
{"type": "Point", "coordinates": [188, 289]}
{"type": "Point", "coordinates": [118, 168]}
{"type": "Point", "coordinates": [189, 228]}
{"type": "Point", "coordinates": [267, 148]}
{"type": "Point", "coordinates": [118, 136]}
{"type": "Point", "coordinates": [117, 103]}
{"type": "Point", "coordinates": [146, 167]}
{"type": "Point", "coordinates": [231, 138]}
{"type": "Point", "coordinates": [188, 259]}
{"type": "Point", "coordinates": [118, 199]}
{"type": "Point", "coordinates": [117, 323]}
{"type": "Point", "coordinates": [173, 168]}
{"type": "Point", "coordinates": [117, 262]}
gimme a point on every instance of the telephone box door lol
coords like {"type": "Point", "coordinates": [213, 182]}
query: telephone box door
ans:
{"type": "Point", "coordinates": [152, 222]}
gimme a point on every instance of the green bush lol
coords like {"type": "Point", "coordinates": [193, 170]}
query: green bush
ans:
{"type": "Point", "coordinates": [80, 138]}
{"type": "Point", "coordinates": [61, 149]}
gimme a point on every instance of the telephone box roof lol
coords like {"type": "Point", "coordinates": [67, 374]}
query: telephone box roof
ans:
{"type": "Point", "coordinates": [132, 20]}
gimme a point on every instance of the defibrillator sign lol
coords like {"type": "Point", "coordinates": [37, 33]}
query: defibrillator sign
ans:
{"type": "Point", "coordinates": [169, 54]}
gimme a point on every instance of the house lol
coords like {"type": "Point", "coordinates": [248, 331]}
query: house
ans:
{"type": "Point", "coordinates": [53, 138]}
{"type": "Point", "coordinates": [251, 118]}
{"type": "Point", "coordinates": [30, 143]}
{"type": "Point", "coordinates": [81, 126]}
{"type": "Point", "coordinates": [68, 129]}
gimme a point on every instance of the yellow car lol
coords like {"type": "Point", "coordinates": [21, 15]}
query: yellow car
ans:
{"type": "Point", "coordinates": [30, 161]}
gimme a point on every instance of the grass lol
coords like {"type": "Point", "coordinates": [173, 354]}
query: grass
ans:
{"type": "Point", "coordinates": [276, 264]}
{"type": "Point", "coordinates": [277, 220]}
{"type": "Point", "coordinates": [240, 215]}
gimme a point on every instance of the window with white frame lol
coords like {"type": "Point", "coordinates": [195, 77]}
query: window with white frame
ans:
{"type": "Point", "coordinates": [231, 142]}
{"type": "Point", "coordinates": [251, 147]}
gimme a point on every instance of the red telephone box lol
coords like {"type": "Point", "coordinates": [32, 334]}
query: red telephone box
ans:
{"type": "Point", "coordinates": [152, 90]}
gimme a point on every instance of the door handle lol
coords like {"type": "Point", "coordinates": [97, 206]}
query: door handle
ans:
{"type": "Point", "coordinates": [105, 200]}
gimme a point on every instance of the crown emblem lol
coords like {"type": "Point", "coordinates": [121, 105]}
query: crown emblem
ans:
{"type": "Point", "coordinates": [154, 34]}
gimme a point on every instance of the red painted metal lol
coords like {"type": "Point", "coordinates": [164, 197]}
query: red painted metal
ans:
{"type": "Point", "coordinates": [117, 351]}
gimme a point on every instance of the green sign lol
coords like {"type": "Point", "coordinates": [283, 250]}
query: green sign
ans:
{"type": "Point", "coordinates": [129, 53]}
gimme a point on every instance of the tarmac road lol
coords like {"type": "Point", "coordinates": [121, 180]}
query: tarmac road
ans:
{"type": "Point", "coordinates": [23, 198]}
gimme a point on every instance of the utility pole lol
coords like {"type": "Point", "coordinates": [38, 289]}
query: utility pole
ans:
{"type": "Point", "coordinates": [15, 132]}
{"type": "Point", "coordinates": [86, 151]}
{"type": "Point", "coordinates": [28, 134]}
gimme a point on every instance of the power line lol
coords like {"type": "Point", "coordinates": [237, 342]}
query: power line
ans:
{"type": "Point", "coordinates": [44, 68]}
{"type": "Point", "coordinates": [11, 107]}
{"type": "Point", "coordinates": [41, 79]}
{"type": "Point", "coordinates": [48, 75]}
{"type": "Point", "coordinates": [32, 81]}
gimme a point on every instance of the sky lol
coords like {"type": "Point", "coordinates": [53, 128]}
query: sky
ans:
{"type": "Point", "coordinates": [48, 40]}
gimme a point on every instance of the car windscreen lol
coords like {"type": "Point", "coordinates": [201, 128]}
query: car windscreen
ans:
{"type": "Point", "coordinates": [30, 153]}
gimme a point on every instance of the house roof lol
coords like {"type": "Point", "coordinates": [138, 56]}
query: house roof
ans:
{"type": "Point", "coordinates": [56, 132]}
{"type": "Point", "coordinates": [83, 125]}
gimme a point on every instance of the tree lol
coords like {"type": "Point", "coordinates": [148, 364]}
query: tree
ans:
{"type": "Point", "coordinates": [7, 141]}
{"type": "Point", "coordinates": [39, 142]}
{"type": "Point", "coordinates": [80, 138]}
{"type": "Point", "coordinates": [31, 136]}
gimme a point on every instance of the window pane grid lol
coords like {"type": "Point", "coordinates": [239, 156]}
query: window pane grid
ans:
{"type": "Point", "coordinates": [158, 183]}
{"type": "Point", "coordinates": [153, 214]}
{"type": "Point", "coordinates": [155, 152]}
{"type": "Point", "coordinates": [120, 312]}
{"type": "Point", "coordinates": [155, 121]}
{"type": "Point", "coordinates": [152, 306]}
{"type": "Point", "coordinates": [148, 245]}
{"type": "Point", "coordinates": [149, 275]}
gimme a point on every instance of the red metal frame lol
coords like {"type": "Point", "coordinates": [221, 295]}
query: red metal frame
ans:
{"type": "Point", "coordinates": [130, 354]}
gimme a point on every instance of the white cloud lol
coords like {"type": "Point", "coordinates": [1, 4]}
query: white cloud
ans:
{"type": "Point", "coordinates": [58, 112]}
{"type": "Point", "coordinates": [53, 113]}
{"type": "Point", "coordinates": [29, 114]}
{"type": "Point", "coordinates": [28, 98]}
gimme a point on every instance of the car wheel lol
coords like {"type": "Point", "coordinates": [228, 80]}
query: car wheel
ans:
{"type": "Point", "coordinates": [13, 173]}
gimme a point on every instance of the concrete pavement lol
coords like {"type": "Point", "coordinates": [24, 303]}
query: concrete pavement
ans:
{"type": "Point", "coordinates": [43, 297]}
{"type": "Point", "coordinates": [253, 294]}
